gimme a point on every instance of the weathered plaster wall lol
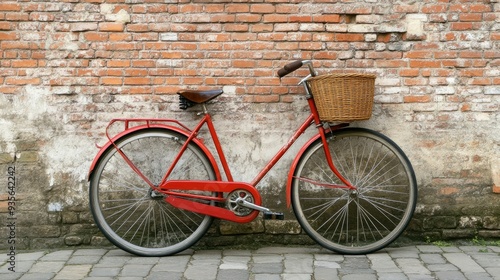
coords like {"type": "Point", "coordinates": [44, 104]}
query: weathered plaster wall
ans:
{"type": "Point", "coordinates": [68, 67]}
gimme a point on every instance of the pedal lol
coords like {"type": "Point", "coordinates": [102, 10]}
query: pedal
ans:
{"type": "Point", "coordinates": [273, 216]}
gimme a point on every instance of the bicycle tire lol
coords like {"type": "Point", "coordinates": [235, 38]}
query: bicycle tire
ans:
{"type": "Point", "coordinates": [126, 210]}
{"type": "Point", "coordinates": [358, 221]}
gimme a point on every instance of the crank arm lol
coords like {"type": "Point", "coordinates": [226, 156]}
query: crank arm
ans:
{"type": "Point", "coordinates": [268, 215]}
{"type": "Point", "coordinates": [250, 205]}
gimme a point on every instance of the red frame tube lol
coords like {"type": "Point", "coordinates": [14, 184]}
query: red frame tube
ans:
{"type": "Point", "coordinates": [221, 186]}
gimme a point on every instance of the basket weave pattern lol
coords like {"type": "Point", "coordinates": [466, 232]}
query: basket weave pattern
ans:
{"type": "Point", "coordinates": [343, 97]}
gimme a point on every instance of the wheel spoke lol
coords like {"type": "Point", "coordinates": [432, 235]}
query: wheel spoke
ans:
{"type": "Point", "coordinates": [130, 214]}
{"type": "Point", "coordinates": [360, 220]}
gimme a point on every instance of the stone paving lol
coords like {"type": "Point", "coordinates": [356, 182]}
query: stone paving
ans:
{"type": "Point", "coordinates": [267, 263]}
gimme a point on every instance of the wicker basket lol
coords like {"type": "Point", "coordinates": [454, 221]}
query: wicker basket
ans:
{"type": "Point", "coordinates": [343, 97]}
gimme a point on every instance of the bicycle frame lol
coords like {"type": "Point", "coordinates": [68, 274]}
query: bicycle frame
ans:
{"type": "Point", "coordinates": [313, 118]}
{"type": "Point", "coordinates": [170, 188]}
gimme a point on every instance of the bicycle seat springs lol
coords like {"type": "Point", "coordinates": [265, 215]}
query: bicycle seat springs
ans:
{"type": "Point", "coordinates": [184, 103]}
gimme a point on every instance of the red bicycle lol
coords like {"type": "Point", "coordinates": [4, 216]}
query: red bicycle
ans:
{"type": "Point", "coordinates": [155, 187]}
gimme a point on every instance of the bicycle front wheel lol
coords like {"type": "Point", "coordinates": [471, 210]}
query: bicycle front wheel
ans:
{"type": "Point", "coordinates": [129, 212]}
{"type": "Point", "coordinates": [357, 221]}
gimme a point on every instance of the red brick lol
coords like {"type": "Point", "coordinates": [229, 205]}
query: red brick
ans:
{"type": "Point", "coordinates": [8, 36]}
{"type": "Point", "coordinates": [111, 26]}
{"type": "Point", "coordinates": [137, 28]}
{"type": "Point", "coordinates": [15, 45]}
{"type": "Point", "coordinates": [22, 81]}
{"type": "Point", "coordinates": [236, 27]}
{"type": "Point", "coordinates": [403, 8]}
{"type": "Point", "coordinates": [136, 81]}
{"type": "Point", "coordinates": [261, 46]}
{"type": "Point", "coordinates": [265, 98]}
{"type": "Point", "coordinates": [417, 99]}
{"type": "Point", "coordinates": [10, 6]}
{"type": "Point", "coordinates": [409, 72]}
{"type": "Point", "coordinates": [300, 18]}
{"type": "Point", "coordinates": [471, 17]}
{"type": "Point", "coordinates": [253, 18]}
{"type": "Point", "coordinates": [287, 45]}
{"type": "Point", "coordinates": [118, 63]}
{"type": "Point", "coordinates": [415, 81]}
{"type": "Point", "coordinates": [243, 64]}
{"type": "Point", "coordinates": [17, 17]}
{"type": "Point", "coordinates": [24, 63]}
{"type": "Point", "coordinates": [347, 37]}
{"type": "Point", "coordinates": [214, 8]}
{"type": "Point", "coordinates": [111, 81]}
{"type": "Point", "coordinates": [330, 18]}
{"type": "Point", "coordinates": [463, 8]}
{"type": "Point", "coordinates": [445, 54]}
{"type": "Point", "coordinates": [150, 36]}
{"type": "Point", "coordinates": [167, 89]}
{"type": "Point", "coordinates": [480, 8]}
{"type": "Point", "coordinates": [189, 9]}
{"type": "Point", "coordinates": [287, 9]}
{"type": "Point", "coordinates": [5, 26]}
{"type": "Point", "coordinates": [480, 81]}
{"type": "Point", "coordinates": [383, 55]}
{"type": "Point", "coordinates": [262, 8]}
{"type": "Point", "coordinates": [158, 8]}
{"type": "Point", "coordinates": [143, 63]}
{"type": "Point", "coordinates": [471, 73]}
{"type": "Point", "coordinates": [183, 27]}
{"type": "Point", "coordinates": [83, 26]}
{"type": "Point", "coordinates": [223, 18]}
{"type": "Point", "coordinates": [137, 90]}
{"type": "Point", "coordinates": [444, 72]}
{"type": "Point", "coordinates": [184, 46]}
{"type": "Point", "coordinates": [425, 64]}
{"type": "Point", "coordinates": [192, 81]}
{"type": "Point", "coordinates": [243, 36]}
{"type": "Point", "coordinates": [434, 8]}
{"type": "Point", "coordinates": [310, 45]}
{"type": "Point", "coordinates": [461, 26]}
{"type": "Point", "coordinates": [8, 89]}
{"type": "Point", "coordinates": [471, 54]}
{"type": "Point", "coordinates": [237, 8]}
{"type": "Point", "coordinates": [210, 46]}
{"type": "Point", "coordinates": [275, 18]}
{"type": "Point", "coordinates": [120, 37]}
{"type": "Point", "coordinates": [418, 54]}
{"type": "Point", "coordinates": [96, 36]}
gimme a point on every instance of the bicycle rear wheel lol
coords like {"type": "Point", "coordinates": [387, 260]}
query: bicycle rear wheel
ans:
{"type": "Point", "coordinates": [129, 212]}
{"type": "Point", "coordinates": [357, 221]}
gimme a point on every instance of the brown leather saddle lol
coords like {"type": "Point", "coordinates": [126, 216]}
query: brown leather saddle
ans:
{"type": "Point", "coordinates": [200, 96]}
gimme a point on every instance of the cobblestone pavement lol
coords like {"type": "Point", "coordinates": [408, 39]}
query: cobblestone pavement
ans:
{"type": "Point", "coordinates": [267, 263]}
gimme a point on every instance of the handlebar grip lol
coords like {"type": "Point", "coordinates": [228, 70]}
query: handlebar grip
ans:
{"type": "Point", "coordinates": [289, 68]}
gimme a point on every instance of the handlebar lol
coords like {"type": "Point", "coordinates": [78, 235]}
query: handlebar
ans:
{"type": "Point", "coordinates": [290, 67]}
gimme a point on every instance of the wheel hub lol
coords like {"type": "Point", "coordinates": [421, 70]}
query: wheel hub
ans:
{"type": "Point", "coordinates": [156, 195]}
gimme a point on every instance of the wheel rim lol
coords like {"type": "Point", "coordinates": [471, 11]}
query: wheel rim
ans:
{"type": "Point", "coordinates": [132, 215]}
{"type": "Point", "coordinates": [361, 220]}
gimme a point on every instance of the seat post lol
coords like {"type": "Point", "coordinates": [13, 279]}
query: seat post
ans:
{"type": "Point", "coordinates": [205, 110]}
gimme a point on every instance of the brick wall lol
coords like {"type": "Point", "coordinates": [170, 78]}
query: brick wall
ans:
{"type": "Point", "coordinates": [68, 66]}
